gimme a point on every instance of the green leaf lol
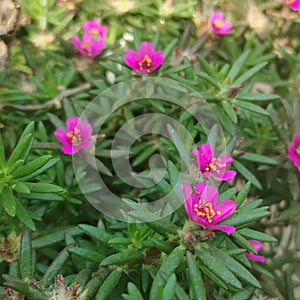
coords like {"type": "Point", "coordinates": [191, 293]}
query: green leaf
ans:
{"type": "Point", "coordinates": [244, 294]}
{"type": "Point", "coordinates": [23, 215]}
{"type": "Point", "coordinates": [246, 173]}
{"type": "Point", "coordinates": [251, 234]}
{"type": "Point", "coordinates": [224, 120]}
{"type": "Point", "coordinates": [8, 201]}
{"type": "Point", "coordinates": [250, 73]}
{"type": "Point", "coordinates": [166, 269]}
{"type": "Point", "coordinates": [98, 234]}
{"type": "Point", "coordinates": [246, 217]}
{"type": "Point", "coordinates": [209, 79]}
{"type": "Point", "coordinates": [206, 67]}
{"type": "Point", "coordinates": [242, 195]}
{"type": "Point", "coordinates": [21, 188]}
{"type": "Point", "coordinates": [174, 70]}
{"type": "Point", "coordinates": [55, 237]}
{"type": "Point", "coordinates": [235, 267]}
{"type": "Point", "coordinates": [238, 65]}
{"type": "Point", "coordinates": [251, 107]}
{"type": "Point", "coordinates": [26, 270]}
{"type": "Point", "coordinates": [256, 97]}
{"type": "Point", "coordinates": [170, 288]}
{"type": "Point", "coordinates": [229, 111]}
{"type": "Point", "coordinates": [20, 150]}
{"type": "Point", "coordinates": [197, 290]}
{"type": "Point", "coordinates": [32, 166]}
{"type": "Point", "coordinates": [24, 288]}
{"type": "Point", "coordinates": [109, 284]}
{"type": "Point", "coordinates": [243, 242]}
{"type": "Point", "coordinates": [40, 187]}
{"type": "Point", "coordinates": [2, 152]}
{"type": "Point", "coordinates": [169, 49]}
{"type": "Point", "coordinates": [134, 292]}
{"type": "Point", "coordinates": [217, 267]}
{"type": "Point", "coordinates": [94, 283]}
{"type": "Point", "coordinates": [55, 267]}
{"type": "Point", "coordinates": [123, 257]}
{"type": "Point", "coordinates": [162, 226]}
{"type": "Point", "coordinates": [87, 254]}
{"type": "Point", "coordinates": [15, 166]}
{"type": "Point", "coordinates": [45, 167]}
{"type": "Point", "coordinates": [262, 159]}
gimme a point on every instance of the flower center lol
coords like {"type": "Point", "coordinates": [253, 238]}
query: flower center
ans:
{"type": "Point", "coordinates": [95, 34]}
{"type": "Point", "coordinates": [205, 210]}
{"type": "Point", "coordinates": [215, 165]}
{"type": "Point", "coordinates": [298, 150]}
{"type": "Point", "coordinates": [86, 44]}
{"type": "Point", "coordinates": [75, 137]}
{"type": "Point", "coordinates": [146, 63]}
{"type": "Point", "coordinates": [218, 23]}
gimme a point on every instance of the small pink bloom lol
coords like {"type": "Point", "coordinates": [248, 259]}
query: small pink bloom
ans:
{"type": "Point", "coordinates": [93, 39]}
{"type": "Point", "coordinates": [202, 208]}
{"type": "Point", "coordinates": [294, 150]}
{"type": "Point", "coordinates": [76, 137]}
{"type": "Point", "coordinates": [213, 166]}
{"type": "Point", "coordinates": [293, 4]}
{"type": "Point", "coordinates": [257, 246]}
{"type": "Point", "coordinates": [219, 24]}
{"type": "Point", "coordinates": [145, 60]}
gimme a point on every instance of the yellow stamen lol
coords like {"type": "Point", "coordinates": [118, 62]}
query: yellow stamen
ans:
{"type": "Point", "coordinates": [75, 137]}
{"type": "Point", "coordinates": [218, 23]}
{"type": "Point", "coordinates": [145, 63]}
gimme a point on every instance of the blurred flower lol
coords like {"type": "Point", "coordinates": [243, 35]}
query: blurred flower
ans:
{"type": "Point", "coordinates": [145, 60]}
{"type": "Point", "coordinates": [76, 137]}
{"type": "Point", "coordinates": [42, 39]}
{"type": "Point", "coordinates": [294, 150]}
{"type": "Point", "coordinates": [93, 39]}
{"type": "Point", "coordinates": [202, 208]}
{"type": "Point", "coordinates": [213, 166]}
{"type": "Point", "coordinates": [9, 247]}
{"type": "Point", "coordinates": [121, 6]}
{"type": "Point", "coordinates": [293, 4]}
{"type": "Point", "coordinates": [257, 247]}
{"type": "Point", "coordinates": [219, 24]}
{"type": "Point", "coordinates": [73, 292]}
{"type": "Point", "coordinates": [70, 4]}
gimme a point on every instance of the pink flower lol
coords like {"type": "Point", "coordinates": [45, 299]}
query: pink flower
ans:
{"type": "Point", "coordinates": [219, 24]}
{"type": "Point", "coordinates": [76, 137]}
{"type": "Point", "coordinates": [213, 166]}
{"type": "Point", "coordinates": [145, 60]}
{"type": "Point", "coordinates": [93, 39]}
{"type": "Point", "coordinates": [257, 246]}
{"type": "Point", "coordinates": [294, 151]}
{"type": "Point", "coordinates": [293, 4]}
{"type": "Point", "coordinates": [202, 208]}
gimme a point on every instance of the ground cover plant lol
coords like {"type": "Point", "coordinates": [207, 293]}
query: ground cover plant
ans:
{"type": "Point", "coordinates": [149, 149]}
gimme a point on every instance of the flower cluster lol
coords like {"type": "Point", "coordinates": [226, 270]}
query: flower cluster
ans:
{"type": "Point", "coordinates": [201, 202]}
{"type": "Point", "coordinates": [93, 39]}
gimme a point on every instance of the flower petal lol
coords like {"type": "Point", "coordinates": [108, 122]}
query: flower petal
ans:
{"type": "Point", "coordinates": [72, 122]}
{"type": "Point", "coordinates": [257, 245]}
{"type": "Point", "coordinates": [146, 48]}
{"type": "Point", "coordinates": [208, 193]}
{"type": "Point", "coordinates": [188, 201]}
{"type": "Point", "coordinates": [131, 59]}
{"type": "Point", "coordinates": [157, 60]}
{"type": "Point", "coordinates": [226, 228]}
{"type": "Point", "coordinates": [226, 208]}
{"type": "Point", "coordinates": [227, 176]}
{"type": "Point", "coordinates": [61, 135]}
{"type": "Point", "coordinates": [254, 257]}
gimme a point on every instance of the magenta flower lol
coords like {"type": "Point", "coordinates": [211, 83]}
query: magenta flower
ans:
{"type": "Point", "coordinates": [76, 137]}
{"type": "Point", "coordinates": [257, 246]}
{"type": "Point", "coordinates": [145, 60]}
{"type": "Point", "coordinates": [294, 150]}
{"type": "Point", "coordinates": [202, 208]}
{"type": "Point", "coordinates": [93, 39]}
{"type": "Point", "coordinates": [213, 166]}
{"type": "Point", "coordinates": [219, 24]}
{"type": "Point", "coordinates": [293, 4]}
